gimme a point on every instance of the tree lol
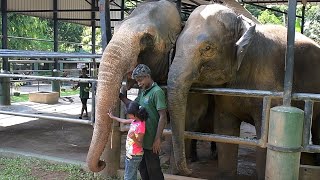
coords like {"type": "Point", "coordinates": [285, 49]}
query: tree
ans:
{"type": "Point", "coordinates": [22, 27]}
{"type": "Point", "coordinates": [267, 17]}
{"type": "Point", "coordinates": [312, 18]}
{"type": "Point", "coordinates": [30, 27]}
{"type": "Point", "coordinates": [312, 23]}
{"type": "Point", "coordinates": [86, 39]}
{"type": "Point", "coordinates": [68, 32]}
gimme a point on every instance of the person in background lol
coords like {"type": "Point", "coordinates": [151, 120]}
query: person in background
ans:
{"type": "Point", "coordinates": [137, 116]}
{"type": "Point", "coordinates": [153, 99]}
{"type": "Point", "coordinates": [84, 92]}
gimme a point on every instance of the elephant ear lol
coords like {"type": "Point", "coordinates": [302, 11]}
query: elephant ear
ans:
{"type": "Point", "coordinates": [247, 31]}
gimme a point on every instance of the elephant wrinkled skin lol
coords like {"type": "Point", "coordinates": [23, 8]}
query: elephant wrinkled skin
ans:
{"type": "Point", "coordinates": [145, 37]}
{"type": "Point", "coordinates": [219, 48]}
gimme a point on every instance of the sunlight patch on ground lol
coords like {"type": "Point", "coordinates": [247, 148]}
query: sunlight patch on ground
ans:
{"type": "Point", "coordinates": [7, 120]}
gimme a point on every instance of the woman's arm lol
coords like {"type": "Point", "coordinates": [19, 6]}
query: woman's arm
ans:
{"type": "Point", "coordinates": [138, 139]}
{"type": "Point", "coordinates": [161, 124]}
{"type": "Point", "coordinates": [124, 99]}
{"type": "Point", "coordinates": [125, 121]}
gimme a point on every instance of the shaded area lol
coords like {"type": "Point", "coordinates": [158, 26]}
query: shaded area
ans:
{"type": "Point", "coordinates": [50, 138]}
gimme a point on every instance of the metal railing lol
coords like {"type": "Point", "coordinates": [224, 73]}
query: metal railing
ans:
{"type": "Point", "coordinates": [93, 81]}
{"type": "Point", "coordinates": [49, 61]}
{"type": "Point", "coordinates": [7, 53]}
{"type": "Point", "coordinates": [266, 95]}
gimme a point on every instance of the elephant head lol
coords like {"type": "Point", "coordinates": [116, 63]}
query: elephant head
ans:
{"type": "Point", "coordinates": [209, 52]}
{"type": "Point", "coordinates": [146, 37]}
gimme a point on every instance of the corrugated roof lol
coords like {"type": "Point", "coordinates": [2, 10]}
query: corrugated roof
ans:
{"type": "Point", "coordinates": [267, 2]}
{"type": "Point", "coordinates": [79, 11]}
{"type": "Point", "coordinates": [75, 11]}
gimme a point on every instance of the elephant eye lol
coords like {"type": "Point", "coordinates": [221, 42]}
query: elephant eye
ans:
{"type": "Point", "coordinates": [208, 50]}
{"type": "Point", "coordinates": [147, 40]}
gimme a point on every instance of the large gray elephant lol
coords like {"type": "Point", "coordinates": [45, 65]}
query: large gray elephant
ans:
{"type": "Point", "coordinates": [146, 37]}
{"type": "Point", "coordinates": [219, 48]}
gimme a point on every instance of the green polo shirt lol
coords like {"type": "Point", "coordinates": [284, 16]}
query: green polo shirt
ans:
{"type": "Point", "coordinates": [84, 88]}
{"type": "Point", "coordinates": [153, 99]}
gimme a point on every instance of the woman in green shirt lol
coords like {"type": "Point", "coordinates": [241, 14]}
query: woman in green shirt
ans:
{"type": "Point", "coordinates": [84, 92]}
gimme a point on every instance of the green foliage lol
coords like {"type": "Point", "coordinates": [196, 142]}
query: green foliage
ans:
{"type": "Point", "coordinates": [39, 28]}
{"type": "Point", "coordinates": [31, 27]}
{"type": "Point", "coordinates": [312, 23]}
{"type": "Point", "coordinates": [69, 92]}
{"type": "Point", "coordinates": [69, 32]}
{"type": "Point", "coordinates": [32, 168]}
{"type": "Point", "coordinates": [312, 18]}
{"type": "Point", "coordinates": [45, 73]}
{"type": "Point", "coordinates": [298, 25]}
{"type": "Point", "coordinates": [255, 11]}
{"type": "Point", "coordinates": [130, 4]}
{"type": "Point", "coordinates": [86, 39]}
{"type": "Point", "coordinates": [21, 98]}
{"type": "Point", "coordinates": [25, 97]}
{"type": "Point", "coordinates": [267, 17]}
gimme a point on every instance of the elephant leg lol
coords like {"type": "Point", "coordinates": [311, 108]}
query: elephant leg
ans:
{"type": "Point", "coordinates": [261, 153]}
{"type": "Point", "coordinates": [195, 117]}
{"type": "Point", "coordinates": [173, 167]}
{"type": "Point", "coordinates": [214, 151]}
{"type": "Point", "coordinates": [191, 149]}
{"type": "Point", "coordinates": [316, 138]}
{"type": "Point", "coordinates": [227, 124]}
{"type": "Point", "coordinates": [188, 148]}
{"type": "Point", "coordinates": [194, 154]}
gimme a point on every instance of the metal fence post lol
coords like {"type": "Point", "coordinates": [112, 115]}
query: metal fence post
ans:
{"type": "Point", "coordinates": [55, 72]}
{"type": "Point", "coordinates": [284, 143]}
{"type": "Point", "coordinates": [4, 82]}
{"type": "Point", "coordinates": [4, 90]}
{"type": "Point", "coordinates": [93, 104]}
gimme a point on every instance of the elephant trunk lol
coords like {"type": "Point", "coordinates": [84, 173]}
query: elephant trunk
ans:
{"type": "Point", "coordinates": [179, 83]}
{"type": "Point", "coordinates": [118, 58]}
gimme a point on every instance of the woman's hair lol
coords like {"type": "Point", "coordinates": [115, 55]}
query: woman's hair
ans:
{"type": "Point", "coordinates": [137, 110]}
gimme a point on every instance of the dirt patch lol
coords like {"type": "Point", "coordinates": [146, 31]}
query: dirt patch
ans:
{"type": "Point", "coordinates": [39, 173]}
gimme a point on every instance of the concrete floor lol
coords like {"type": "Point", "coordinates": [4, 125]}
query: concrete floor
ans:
{"type": "Point", "coordinates": [69, 142]}
{"type": "Point", "coordinates": [47, 138]}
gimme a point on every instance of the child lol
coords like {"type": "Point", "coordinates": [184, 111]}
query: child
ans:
{"type": "Point", "coordinates": [84, 92]}
{"type": "Point", "coordinates": [134, 151]}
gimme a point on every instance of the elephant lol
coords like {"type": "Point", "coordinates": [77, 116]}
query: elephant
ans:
{"type": "Point", "coordinates": [146, 36]}
{"type": "Point", "coordinates": [199, 112]}
{"type": "Point", "coordinates": [218, 48]}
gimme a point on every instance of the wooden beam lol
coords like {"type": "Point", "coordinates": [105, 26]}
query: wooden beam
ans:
{"type": "Point", "coordinates": [307, 172]}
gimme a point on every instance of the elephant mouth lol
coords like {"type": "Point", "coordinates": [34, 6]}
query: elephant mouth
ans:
{"type": "Point", "coordinates": [217, 78]}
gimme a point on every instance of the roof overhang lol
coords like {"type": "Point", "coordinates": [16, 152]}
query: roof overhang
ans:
{"type": "Point", "coordinates": [86, 12]}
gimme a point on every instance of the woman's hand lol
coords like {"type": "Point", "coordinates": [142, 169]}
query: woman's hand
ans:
{"type": "Point", "coordinates": [131, 135]}
{"type": "Point", "coordinates": [156, 147]}
{"type": "Point", "coordinates": [110, 114]}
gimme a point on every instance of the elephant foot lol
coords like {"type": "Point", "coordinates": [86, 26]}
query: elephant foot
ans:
{"type": "Point", "coordinates": [194, 156]}
{"type": "Point", "coordinates": [101, 165]}
{"type": "Point", "coordinates": [317, 159]}
{"type": "Point", "coordinates": [224, 176]}
{"type": "Point", "coordinates": [194, 159]}
{"type": "Point", "coordinates": [214, 155]}
{"type": "Point", "coordinates": [185, 171]}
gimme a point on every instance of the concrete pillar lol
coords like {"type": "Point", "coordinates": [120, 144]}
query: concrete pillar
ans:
{"type": "Point", "coordinates": [284, 143]}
